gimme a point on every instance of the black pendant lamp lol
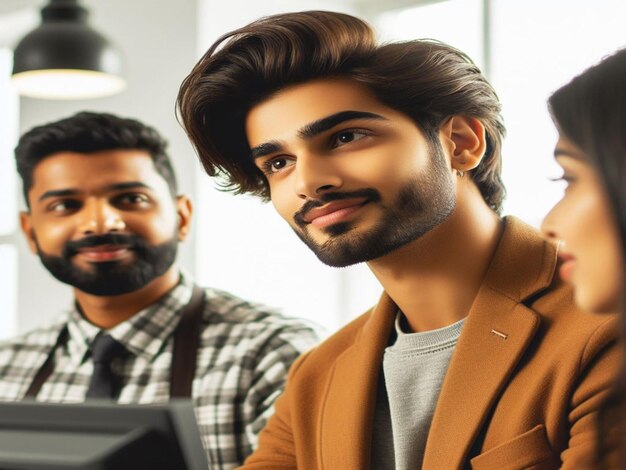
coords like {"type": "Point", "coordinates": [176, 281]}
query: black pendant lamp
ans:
{"type": "Point", "coordinates": [63, 58]}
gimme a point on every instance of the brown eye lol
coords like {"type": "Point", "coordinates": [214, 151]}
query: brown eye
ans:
{"type": "Point", "coordinates": [276, 165]}
{"type": "Point", "coordinates": [348, 136]}
{"type": "Point", "coordinates": [345, 138]}
{"type": "Point", "coordinates": [65, 205]}
{"type": "Point", "coordinates": [132, 199]}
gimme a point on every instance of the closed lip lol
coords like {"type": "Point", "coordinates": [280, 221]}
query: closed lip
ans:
{"type": "Point", "coordinates": [105, 253]}
{"type": "Point", "coordinates": [565, 257]}
{"type": "Point", "coordinates": [102, 249]}
{"type": "Point", "coordinates": [331, 207]}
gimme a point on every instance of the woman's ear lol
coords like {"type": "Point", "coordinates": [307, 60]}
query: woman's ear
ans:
{"type": "Point", "coordinates": [466, 136]}
{"type": "Point", "coordinates": [184, 209]}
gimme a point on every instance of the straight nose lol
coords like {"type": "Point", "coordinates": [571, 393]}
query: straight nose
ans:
{"type": "Point", "coordinates": [100, 218]}
{"type": "Point", "coordinates": [316, 175]}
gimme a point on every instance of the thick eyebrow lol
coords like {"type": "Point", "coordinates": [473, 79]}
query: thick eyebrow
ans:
{"type": "Point", "coordinates": [265, 149]}
{"type": "Point", "coordinates": [315, 128]}
{"type": "Point", "coordinates": [128, 185]}
{"type": "Point", "coordinates": [75, 192]}
{"type": "Point", "coordinates": [58, 193]}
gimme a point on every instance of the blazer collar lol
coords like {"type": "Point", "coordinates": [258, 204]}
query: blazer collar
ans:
{"type": "Point", "coordinates": [523, 264]}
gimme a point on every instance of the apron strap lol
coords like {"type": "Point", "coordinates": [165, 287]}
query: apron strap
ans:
{"type": "Point", "coordinates": [185, 349]}
{"type": "Point", "coordinates": [184, 353]}
{"type": "Point", "coordinates": [46, 369]}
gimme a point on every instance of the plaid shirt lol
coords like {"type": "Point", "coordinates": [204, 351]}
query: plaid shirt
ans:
{"type": "Point", "coordinates": [245, 353]}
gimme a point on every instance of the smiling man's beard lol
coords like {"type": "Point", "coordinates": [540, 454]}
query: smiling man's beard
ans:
{"type": "Point", "coordinates": [422, 204]}
{"type": "Point", "coordinates": [112, 277]}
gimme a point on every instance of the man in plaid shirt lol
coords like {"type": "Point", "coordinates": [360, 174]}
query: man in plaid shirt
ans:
{"type": "Point", "coordinates": [104, 216]}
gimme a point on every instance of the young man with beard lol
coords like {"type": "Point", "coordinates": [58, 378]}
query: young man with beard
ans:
{"type": "Point", "coordinates": [390, 154]}
{"type": "Point", "coordinates": [104, 217]}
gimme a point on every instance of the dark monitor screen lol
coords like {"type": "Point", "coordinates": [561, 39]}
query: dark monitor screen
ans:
{"type": "Point", "coordinates": [100, 436]}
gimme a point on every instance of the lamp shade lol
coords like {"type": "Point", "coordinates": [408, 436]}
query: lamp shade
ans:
{"type": "Point", "coordinates": [63, 58]}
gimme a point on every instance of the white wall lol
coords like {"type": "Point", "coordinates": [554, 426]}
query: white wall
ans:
{"type": "Point", "coordinates": [8, 196]}
{"type": "Point", "coordinates": [158, 38]}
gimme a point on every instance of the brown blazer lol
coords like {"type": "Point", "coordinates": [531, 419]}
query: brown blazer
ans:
{"type": "Point", "coordinates": [524, 401]}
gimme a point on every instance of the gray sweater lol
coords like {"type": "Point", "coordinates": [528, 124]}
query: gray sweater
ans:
{"type": "Point", "coordinates": [413, 371]}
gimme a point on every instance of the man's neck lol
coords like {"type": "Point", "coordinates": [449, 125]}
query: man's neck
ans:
{"type": "Point", "coordinates": [109, 311]}
{"type": "Point", "coordinates": [434, 280]}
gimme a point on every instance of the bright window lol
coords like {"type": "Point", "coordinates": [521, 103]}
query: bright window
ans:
{"type": "Point", "coordinates": [8, 291]}
{"type": "Point", "coordinates": [537, 46]}
{"type": "Point", "coordinates": [458, 23]}
{"type": "Point", "coordinates": [8, 198]}
{"type": "Point", "coordinates": [247, 249]}
{"type": "Point", "coordinates": [8, 133]}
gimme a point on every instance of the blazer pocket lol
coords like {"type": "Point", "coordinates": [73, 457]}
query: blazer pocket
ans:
{"type": "Point", "coordinates": [528, 451]}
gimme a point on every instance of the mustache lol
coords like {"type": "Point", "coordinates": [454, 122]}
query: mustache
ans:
{"type": "Point", "coordinates": [71, 248]}
{"type": "Point", "coordinates": [370, 194]}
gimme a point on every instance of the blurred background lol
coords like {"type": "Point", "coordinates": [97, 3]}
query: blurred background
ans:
{"type": "Point", "coordinates": [527, 48]}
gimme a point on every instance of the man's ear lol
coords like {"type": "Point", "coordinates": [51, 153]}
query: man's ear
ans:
{"type": "Point", "coordinates": [184, 209]}
{"type": "Point", "coordinates": [27, 229]}
{"type": "Point", "coordinates": [467, 141]}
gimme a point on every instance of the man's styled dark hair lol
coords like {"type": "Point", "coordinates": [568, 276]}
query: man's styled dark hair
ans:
{"type": "Point", "coordinates": [426, 80]}
{"type": "Point", "coordinates": [89, 132]}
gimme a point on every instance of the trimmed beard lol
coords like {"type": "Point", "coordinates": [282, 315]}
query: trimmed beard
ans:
{"type": "Point", "coordinates": [422, 204]}
{"type": "Point", "coordinates": [112, 277]}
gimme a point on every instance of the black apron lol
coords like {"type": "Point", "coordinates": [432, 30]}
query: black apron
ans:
{"type": "Point", "coordinates": [184, 352]}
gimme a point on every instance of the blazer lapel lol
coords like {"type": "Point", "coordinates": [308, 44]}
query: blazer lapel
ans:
{"type": "Point", "coordinates": [347, 416]}
{"type": "Point", "coordinates": [496, 333]}
{"type": "Point", "coordinates": [479, 369]}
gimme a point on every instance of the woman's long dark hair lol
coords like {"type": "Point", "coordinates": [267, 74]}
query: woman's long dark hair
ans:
{"type": "Point", "coordinates": [590, 111]}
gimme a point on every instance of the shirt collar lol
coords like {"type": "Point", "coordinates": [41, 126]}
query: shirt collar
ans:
{"type": "Point", "coordinates": [143, 334]}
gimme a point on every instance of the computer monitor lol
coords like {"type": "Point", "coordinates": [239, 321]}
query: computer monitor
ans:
{"type": "Point", "coordinates": [100, 436]}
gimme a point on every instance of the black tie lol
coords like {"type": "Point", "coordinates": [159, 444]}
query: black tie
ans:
{"type": "Point", "coordinates": [104, 382]}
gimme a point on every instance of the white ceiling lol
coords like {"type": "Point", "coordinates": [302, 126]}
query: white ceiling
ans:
{"type": "Point", "coordinates": [9, 6]}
